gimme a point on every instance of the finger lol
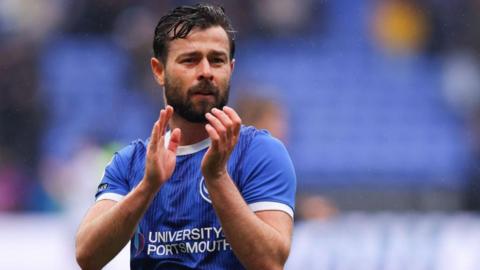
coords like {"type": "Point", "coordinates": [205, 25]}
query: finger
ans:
{"type": "Point", "coordinates": [214, 137]}
{"type": "Point", "coordinates": [154, 137]}
{"type": "Point", "coordinates": [159, 134]}
{"type": "Point", "coordinates": [236, 120]}
{"type": "Point", "coordinates": [226, 122]}
{"type": "Point", "coordinates": [165, 115]}
{"type": "Point", "coordinates": [169, 113]}
{"type": "Point", "coordinates": [163, 121]}
{"type": "Point", "coordinates": [218, 126]}
{"type": "Point", "coordinates": [174, 140]}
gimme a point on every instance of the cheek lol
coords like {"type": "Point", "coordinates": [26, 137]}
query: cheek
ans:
{"type": "Point", "coordinates": [175, 80]}
{"type": "Point", "coordinates": [224, 77]}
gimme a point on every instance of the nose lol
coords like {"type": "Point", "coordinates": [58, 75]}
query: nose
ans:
{"type": "Point", "coordinates": [205, 70]}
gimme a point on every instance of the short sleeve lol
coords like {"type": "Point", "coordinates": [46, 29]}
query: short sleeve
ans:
{"type": "Point", "coordinates": [114, 184]}
{"type": "Point", "coordinates": [269, 175]}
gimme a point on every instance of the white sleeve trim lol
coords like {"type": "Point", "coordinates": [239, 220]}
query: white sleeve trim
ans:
{"type": "Point", "coordinates": [263, 206]}
{"type": "Point", "coordinates": [110, 196]}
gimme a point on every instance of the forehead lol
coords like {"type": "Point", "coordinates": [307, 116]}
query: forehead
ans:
{"type": "Point", "coordinates": [201, 40]}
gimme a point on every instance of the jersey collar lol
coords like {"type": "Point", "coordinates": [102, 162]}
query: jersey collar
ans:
{"type": "Point", "coordinates": [188, 149]}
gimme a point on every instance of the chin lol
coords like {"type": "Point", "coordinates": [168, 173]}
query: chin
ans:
{"type": "Point", "coordinates": [204, 107]}
{"type": "Point", "coordinates": [197, 119]}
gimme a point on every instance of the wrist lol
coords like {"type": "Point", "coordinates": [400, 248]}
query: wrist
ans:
{"type": "Point", "coordinates": [147, 188]}
{"type": "Point", "coordinates": [216, 177]}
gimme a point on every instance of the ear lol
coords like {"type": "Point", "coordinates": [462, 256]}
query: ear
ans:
{"type": "Point", "coordinates": [158, 70]}
{"type": "Point", "coordinates": [232, 64]}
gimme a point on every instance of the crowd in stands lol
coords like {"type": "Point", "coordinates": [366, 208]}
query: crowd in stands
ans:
{"type": "Point", "coordinates": [58, 130]}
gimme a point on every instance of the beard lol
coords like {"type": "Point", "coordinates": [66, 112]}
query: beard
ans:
{"type": "Point", "coordinates": [184, 105]}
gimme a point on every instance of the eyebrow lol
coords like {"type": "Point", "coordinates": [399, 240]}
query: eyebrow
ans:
{"type": "Point", "coordinates": [217, 53]}
{"type": "Point", "coordinates": [196, 54]}
{"type": "Point", "coordinates": [189, 54]}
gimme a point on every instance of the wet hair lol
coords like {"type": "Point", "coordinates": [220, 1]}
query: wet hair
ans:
{"type": "Point", "coordinates": [180, 21]}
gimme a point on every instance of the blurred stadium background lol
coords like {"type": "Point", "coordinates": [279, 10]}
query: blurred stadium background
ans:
{"type": "Point", "coordinates": [378, 102]}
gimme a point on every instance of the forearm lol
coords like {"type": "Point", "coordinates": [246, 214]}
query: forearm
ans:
{"type": "Point", "coordinates": [100, 239]}
{"type": "Point", "coordinates": [255, 243]}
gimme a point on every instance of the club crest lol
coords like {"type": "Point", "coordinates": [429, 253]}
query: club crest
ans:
{"type": "Point", "coordinates": [203, 191]}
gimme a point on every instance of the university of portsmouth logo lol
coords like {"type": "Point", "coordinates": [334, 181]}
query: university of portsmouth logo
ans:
{"type": "Point", "coordinates": [204, 191]}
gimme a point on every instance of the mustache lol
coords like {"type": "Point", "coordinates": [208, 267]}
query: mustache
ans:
{"type": "Point", "coordinates": [204, 87]}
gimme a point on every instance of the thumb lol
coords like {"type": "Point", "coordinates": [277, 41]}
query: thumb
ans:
{"type": "Point", "coordinates": [174, 140]}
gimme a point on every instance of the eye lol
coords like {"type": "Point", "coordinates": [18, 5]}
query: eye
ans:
{"type": "Point", "coordinates": [188, 60]}
{"type": "Point", "coordinates": [218, 60]}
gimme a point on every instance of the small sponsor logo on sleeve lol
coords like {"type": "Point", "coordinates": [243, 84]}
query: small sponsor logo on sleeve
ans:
{"type": "Point", "coordinates": [102, 187]}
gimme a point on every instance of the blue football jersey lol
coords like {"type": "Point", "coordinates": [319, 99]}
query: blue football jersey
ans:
{"type": "Point", "coordinates": [180, 229]}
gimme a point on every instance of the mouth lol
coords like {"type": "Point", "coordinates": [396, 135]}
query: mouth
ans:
{"type": "Point", "coordinates": [203, 93]}
{"type": "Point", "coordinates": [203, 96]}
{"type": "Point", "coordinates": [204, 89]}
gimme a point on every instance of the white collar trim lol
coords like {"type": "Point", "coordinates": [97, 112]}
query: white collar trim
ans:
{"type": "Point", "coordinates": [188, 149]}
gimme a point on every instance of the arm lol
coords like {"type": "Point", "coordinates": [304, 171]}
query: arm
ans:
{"type": "Point", "coordinates": [259, 240]}
{"type": "Point", "coordinates": [108, 226]}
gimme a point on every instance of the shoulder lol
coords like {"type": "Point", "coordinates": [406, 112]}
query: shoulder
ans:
{"type": "Point", "coordinates": [267, 179]}
{"type": "Point", "coordinates": [261, 141]}
{"type": "Point", "coordinates": [125, 163]}
{"type": "Point", "coordinates": [133, 148]}
{"type": "Point", "coordinates": [260, 151]}
{"type": "Point", "coordinates": [132, 152]}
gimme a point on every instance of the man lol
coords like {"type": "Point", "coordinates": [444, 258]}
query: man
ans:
{"type": "Point", "coordinates": [207, 194]}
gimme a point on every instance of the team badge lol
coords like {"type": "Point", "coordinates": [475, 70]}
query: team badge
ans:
{"type": "Point", "coordinates": [204, 191]}
{"type": "Point", "coordinates": [138, 242]}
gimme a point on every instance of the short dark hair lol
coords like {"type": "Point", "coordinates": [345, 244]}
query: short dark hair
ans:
{"type": "Point", "coordinates": [180, 21]}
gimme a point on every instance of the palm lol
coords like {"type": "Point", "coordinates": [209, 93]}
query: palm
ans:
{"type": "Point", "coordinates": [223, 130]}
{"type": "Point", "coordinates": [213, 162]}
{"type": "Point", "coordinates": [160, 165]}
{"type": "Point", "coordinates": [161, 160]}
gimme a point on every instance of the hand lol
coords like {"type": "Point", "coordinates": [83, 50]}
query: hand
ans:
{"type": "Point", "coordinates": [223, 130]}
{"type": "Point", "coordinates": [160, 161]}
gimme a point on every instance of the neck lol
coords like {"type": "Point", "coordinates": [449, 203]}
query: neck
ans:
{"type": "Point", "coordinates": [191, 132]}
